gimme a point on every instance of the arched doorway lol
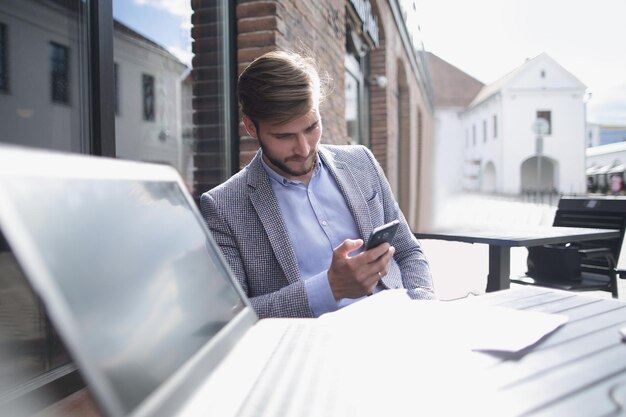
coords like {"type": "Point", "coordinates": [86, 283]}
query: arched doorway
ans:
{"type": "Point", "coordinates": [488, 178]}
{"type": "Point", "coordinates": [538, 174]}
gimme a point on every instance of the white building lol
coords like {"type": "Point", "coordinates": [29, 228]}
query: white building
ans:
{"type": "Point", "coordinates": [498, 145]}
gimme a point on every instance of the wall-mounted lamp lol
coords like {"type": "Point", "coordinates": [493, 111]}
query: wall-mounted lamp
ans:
{"type": "Point", "coordinates": [378, 81]}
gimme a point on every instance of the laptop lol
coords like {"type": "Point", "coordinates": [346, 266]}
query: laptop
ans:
{"type": "Point", "coordinates": [149, 310]}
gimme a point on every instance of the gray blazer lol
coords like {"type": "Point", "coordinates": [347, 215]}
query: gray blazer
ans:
{"type": "Point", "coordinates": [245, 219]}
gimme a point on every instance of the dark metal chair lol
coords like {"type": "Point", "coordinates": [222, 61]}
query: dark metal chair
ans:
{"type": "Point", "coordinates": [599, 259]}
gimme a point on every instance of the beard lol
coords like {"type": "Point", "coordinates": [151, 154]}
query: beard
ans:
{"type": "Point", "coordinates": [305, 169]}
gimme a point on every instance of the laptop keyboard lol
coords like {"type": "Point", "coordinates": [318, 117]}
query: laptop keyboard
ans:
{"type": "Point", "coordinates": [300, 378]}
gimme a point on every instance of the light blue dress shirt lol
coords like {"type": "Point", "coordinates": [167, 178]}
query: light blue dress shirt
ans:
{"type": "Point", "coordinates": [318, 220]}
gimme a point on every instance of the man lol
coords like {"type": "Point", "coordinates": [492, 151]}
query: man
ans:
{"type": "Point", "coordinates": [292, 223]}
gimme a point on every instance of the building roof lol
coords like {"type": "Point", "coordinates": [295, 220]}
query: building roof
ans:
{"type": "Point", "coordinates": [498, 85]}
{"type": "Point", "coordinates": [122, 28]}
{"type": "Point", "coordinates": [451, 86]}
{"type": "Point", "coordinates": [606, 149]}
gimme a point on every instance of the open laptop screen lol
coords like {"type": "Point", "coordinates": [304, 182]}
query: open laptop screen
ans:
{"type": "Point", "coordinates": [131, 260]}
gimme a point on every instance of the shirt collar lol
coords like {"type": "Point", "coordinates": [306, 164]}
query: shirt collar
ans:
{"type": "Point", "coordinates": [286, 181]}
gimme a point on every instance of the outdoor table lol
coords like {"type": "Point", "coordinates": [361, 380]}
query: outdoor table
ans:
{"type": "Point", "coordinates": [500, 243]}
{"type": "Point", "coordinates": [578, 370]}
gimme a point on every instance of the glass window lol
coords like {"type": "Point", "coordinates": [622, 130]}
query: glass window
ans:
{"type": "Point", "coordinates": [176, 101]}
{"type": "Point", "coordinates": [354, 91]}
{"type": "Point", "coordinates": [547, 116]}
{"type": "Point", "coordinates": [47, 65]}
{"type": "Point", "coordinates": [43, 63]}
{"type": "Point", "coordinates": [59, 73]}
{"type": "Point", "coordinates": [4, 70]}
{"type": "Point", "coordinates": [45, 46]}
{"type": "Point", "coordinates": [148, 97]}
{"type": "Point", "coordinates": [484, 131]}
{"type": "Point", "coordinates": [473, 135]}
{"type": "Point", "coordinates": [495, 126]}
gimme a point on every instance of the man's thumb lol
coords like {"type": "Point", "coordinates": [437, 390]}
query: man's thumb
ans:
{"type": "Point", "coordinates": [347, 246]}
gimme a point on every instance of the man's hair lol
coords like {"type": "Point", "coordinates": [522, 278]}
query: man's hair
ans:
{"type": "Point", "coordinates": [279, 86]}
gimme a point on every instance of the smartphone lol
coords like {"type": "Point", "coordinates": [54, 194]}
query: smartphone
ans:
{"type": "Point", "coordinates": [384, 233]}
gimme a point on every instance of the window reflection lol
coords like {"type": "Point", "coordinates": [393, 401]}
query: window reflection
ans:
{"type": "Point", "coordinates": [192, 98]}
{"type": "Point", "coordinates": [29, 345]}
{"type": "Point", "coordinates": [152, 53]}
{"type": "Point", "coordinates": [59, 72]}
{"type": "Point", "coordinates": [43, 57]}
{"type": "Point", "coordinates": [43, 82]}
{"type": "Point", "coordinates": [148, 97]}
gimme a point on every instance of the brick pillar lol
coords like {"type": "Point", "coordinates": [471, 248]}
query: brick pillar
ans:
{"type": "Point", "coordinates": [258, 29]}
{"type": "Point", "coordinates": [209, 89]}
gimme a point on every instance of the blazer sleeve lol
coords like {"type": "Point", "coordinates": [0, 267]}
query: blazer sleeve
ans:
{"type": "Point", "coordinates": [265, 299]}
{"type": "Point", "coordinates": [414, 268]}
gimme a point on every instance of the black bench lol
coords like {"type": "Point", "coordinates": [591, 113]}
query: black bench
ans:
{"type": "Point", "coordinates": [599, 259]}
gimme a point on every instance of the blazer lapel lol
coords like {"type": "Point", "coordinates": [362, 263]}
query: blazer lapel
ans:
{"type": "Point", "coordinates": [350, 190]}
{"type": "Point", "coordinates": [264, 202]}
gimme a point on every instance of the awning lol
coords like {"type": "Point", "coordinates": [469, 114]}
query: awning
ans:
{"type": "Point", "coordinates": [603, 169]}
{"type": "Point", "coordinates": [591, 170]}
{"type": "Point", "coordinates": [595, 170]}
{"type": "Point", "coordinates": [617, 169]}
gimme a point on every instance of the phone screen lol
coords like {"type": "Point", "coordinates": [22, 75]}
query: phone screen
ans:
{"type": "Point", "coordinates": [384, 233]}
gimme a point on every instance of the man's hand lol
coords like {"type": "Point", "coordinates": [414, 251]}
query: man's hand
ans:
{"type": "Point", "coordinates": [356, 276]}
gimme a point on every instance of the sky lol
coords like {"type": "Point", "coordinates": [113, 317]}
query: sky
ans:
{"type": "Point", "coordinates": [484, 38]}
{"type": "Point", "coordinates": [167, 22]}
{"type": "Point", "coordinates": [489, 38]}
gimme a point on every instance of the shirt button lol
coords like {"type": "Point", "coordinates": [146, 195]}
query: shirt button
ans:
{"type": "Point", "coordinates": [324, 222]}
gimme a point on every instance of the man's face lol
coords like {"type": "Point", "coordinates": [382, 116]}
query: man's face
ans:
{"type": "Point", "coordinates": [289, 148]}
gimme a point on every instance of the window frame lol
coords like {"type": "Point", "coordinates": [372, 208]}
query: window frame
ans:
{"type": "Point", "coordinates": [59, 73]}
{"type": "Point", "coordinates": [542, 114]}
{"type": "Point", "coordinates": [4, 58]}
{"type": "Point", "coordinates": [116, 87]}
{"type": "Point", "coordinates": [148, 98]}
{"type": "Point", "coordinates": [357, 69]}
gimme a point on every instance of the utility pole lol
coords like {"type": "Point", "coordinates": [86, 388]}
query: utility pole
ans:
{"type": "Point", "coordinates": [540, 127]}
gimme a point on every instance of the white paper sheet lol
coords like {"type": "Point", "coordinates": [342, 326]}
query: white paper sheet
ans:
{"type": "Point", "coordinates": [462, 325]}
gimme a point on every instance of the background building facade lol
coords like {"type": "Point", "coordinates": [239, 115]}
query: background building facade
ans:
{"type": "Point", "coordinates": [502, 153]}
